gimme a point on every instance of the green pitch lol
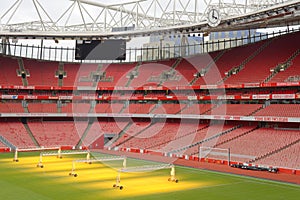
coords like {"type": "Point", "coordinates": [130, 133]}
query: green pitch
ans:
{"type": "Point", "coordinates": [24, 180]}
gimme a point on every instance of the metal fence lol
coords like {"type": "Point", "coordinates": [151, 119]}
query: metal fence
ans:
{"type": "Point", "coordinates": [67, 54]}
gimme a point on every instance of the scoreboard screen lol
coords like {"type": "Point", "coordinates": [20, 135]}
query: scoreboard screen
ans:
{"type": "Point", "coordinates": [100, 49]}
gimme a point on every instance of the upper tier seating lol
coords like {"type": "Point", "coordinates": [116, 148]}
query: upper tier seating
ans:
{"type": "Point", "coordinates": [84, 77]}
{"type": "Point", "coordinates": [282, 47]}
{"type": "Point", "coordinates": [116, 74]}
{"type": "Point", "coordinates": [71, 74]}
{"type": "Point", "coordinates": [291, 74]}
{"type": "Point", "coordinates": [41, 72]}
{"type": "Point", "coordinates": [156, 73]}
{"type": "Point", "coordinates": [8, 69]}
{"type": "Point", "coordinates": [189, 66]}
{"type": "Point", "coordinates": [230, 59]}
{"type": "Point", "coordinates": [149, 73]}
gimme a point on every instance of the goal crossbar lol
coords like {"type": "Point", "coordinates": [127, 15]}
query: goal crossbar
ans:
{"type": "Point", "coordinates": [16, 159]}
{"type": "Point", "coordinates": [94, 160]}
{"type": "Point", "coordinates": [59, 154]}
{"type": "Point", "coordinates": [214, 153]}
{"type": "Point", "coordinates": [146, 168]}
{"type": "Point", "coordinates": [64, 153]}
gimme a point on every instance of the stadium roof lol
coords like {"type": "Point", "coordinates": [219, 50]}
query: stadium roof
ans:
{"type": "Point", "coordinates": [96, 20]}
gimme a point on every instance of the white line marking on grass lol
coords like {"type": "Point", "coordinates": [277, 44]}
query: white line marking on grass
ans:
{"type": "Point", "coordinates": [250, 178]}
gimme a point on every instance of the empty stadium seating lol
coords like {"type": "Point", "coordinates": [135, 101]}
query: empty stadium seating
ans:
{"type": "Point", "coordinates": [283, 48]}
{"type": "Point", "coordinates": [245, 139]}
{"type": "Point", "coordinates": [103, 126]}
{"type": "Point", "coordinates": [2, 145]}
{"type": "Point", "coordinates": [41, 72]}
{"type": "Point", "coordinates": [8, 68]}
{"type": "Point", "coordinates": [8, 107]}
{"type": "Point", "coordinates": [235, 109]}
{"type": "Point", "coordinates": [230, 59]}
{"type": "Point", "coordinates": [150, 73]}
{"type": "Point", "coordinates": [15, 132]}
{"type": "Point", "coordinates": [155, 133]}
{"type": "Point", "coordinates": [258, 143]}
{"type": "Point", "coordinates": [209, 132]}
{"type": "Point", "coordinates": [109, 107]}
{"type": "Point", "coordinates": [58, 132]}
{"type": "Point", "coordinates": [287, 158]}
{"type": "Point", "coordinates": [115, 74]}
{"type": "Point", "coordinates": [168, 109]}
{"type": "Point", "coordinates": [76, 108]}
{"type": "Point", "coordinates": [139, 108]}
{"type": "Point", "coordinates": [196, 109]}
{"type": "Point", "coordinates": [84, 75]}
{"type": "Point", "coordinates": [42, 107]}
{"type": "Point", "coordinates": [280, 110]}
{"type": "Point", "coordinates": [291, 74]}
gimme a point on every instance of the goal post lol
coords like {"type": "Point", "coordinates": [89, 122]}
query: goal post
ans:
{"type": "Point", "coordinates": [94, 160]}
{"type": "Point", "coordinates": [146, 168]}
{"type": "Point", "coordinates": [16, 154]}
{"type": "Point", "coordinates": [60, 153]}
{"type": "Point", "coordinates": [212, 153]}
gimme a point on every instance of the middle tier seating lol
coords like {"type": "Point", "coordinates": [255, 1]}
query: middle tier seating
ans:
{"type": "Point", "coordinates": [42, 107]}
{"type": "Point", "coordinates": [139, 108]}
{"type": "Point", "coordinates": [8, 107]}
{"type": "Point", "coordinates": [235, 109]}
{"type": "Point", "coordinates": [168, 109]}
{"type": "Point", "coordinates": [280, 110]}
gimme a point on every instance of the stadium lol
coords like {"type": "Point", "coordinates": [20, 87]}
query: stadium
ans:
{"type": "Point", "coordinates": [150, 99]}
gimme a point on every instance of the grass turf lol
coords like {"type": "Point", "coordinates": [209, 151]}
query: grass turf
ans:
{"type": "Point", "coordinates": [23, 180]}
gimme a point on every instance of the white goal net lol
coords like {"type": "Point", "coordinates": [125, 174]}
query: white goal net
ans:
{"type": "Point", "coordinates": [217, 154]}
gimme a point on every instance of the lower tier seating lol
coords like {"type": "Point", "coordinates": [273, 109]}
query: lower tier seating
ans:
{"type": "Point", "coordinates": [259, 142]}
{"type": "Point", "coordinates": [16, 134]}
{"type": "Point", "coordinates": [288, 157]}
{"type": "Point", "coordinates": [58, 132]}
